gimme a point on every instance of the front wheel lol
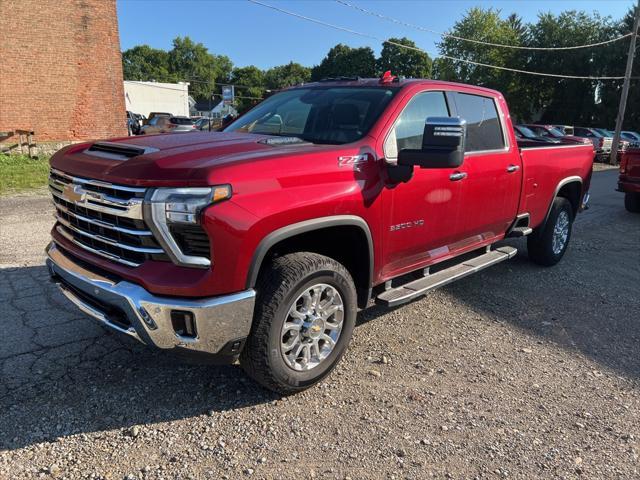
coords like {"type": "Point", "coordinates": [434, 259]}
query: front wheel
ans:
{"type": "Point", "coordinates": [547, 246]}
{"type": "Point", "coordinates": [304, 317]}
{"type": "Point", "coordinates": [632, 202]}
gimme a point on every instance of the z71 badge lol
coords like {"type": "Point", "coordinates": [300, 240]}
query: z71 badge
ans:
{"type": "Point", "coordinates": [402, 226]}
{"type": "Point", "coordinates": [355, 161]}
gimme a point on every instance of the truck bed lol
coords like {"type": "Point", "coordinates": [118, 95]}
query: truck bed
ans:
{"type": "Point", "coordinates": [541, 175]}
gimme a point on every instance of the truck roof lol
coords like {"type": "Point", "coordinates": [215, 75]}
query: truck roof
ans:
{"type": "Point", "coordinates": [397, 83]}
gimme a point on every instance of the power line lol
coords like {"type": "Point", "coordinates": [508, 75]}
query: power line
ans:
{"type": "Point", "coordinates": [373, 37]}
{"type": "Point", "coordinates": [480, 42]}
{"type": "Point", "coordinates": [239, 96]}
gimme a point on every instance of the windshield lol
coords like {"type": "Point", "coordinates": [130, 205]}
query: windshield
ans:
{"type": "Point", "coordinates": [331, 115]}
{"type": "Point", "coordinates": [526, 132]}
{"type": "Point", "coordinates": [556, 132]}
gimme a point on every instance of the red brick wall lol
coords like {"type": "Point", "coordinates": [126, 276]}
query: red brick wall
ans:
{"type": "Point", "coordinates": [60, 69]}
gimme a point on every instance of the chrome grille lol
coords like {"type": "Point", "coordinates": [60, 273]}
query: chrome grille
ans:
{"type": "Point", "coordinates": [104, 219]}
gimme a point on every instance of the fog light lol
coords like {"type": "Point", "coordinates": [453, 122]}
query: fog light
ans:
{"type": "Point", "coordinates": [184, 323]}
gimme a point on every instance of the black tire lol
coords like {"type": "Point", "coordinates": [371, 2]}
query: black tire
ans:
{"type": "Point", "coordinates": [540, 244]}
{"type": "Point", "coordinates": [278, 287]}
{"type": "Point", "coordinates": [632, 202]}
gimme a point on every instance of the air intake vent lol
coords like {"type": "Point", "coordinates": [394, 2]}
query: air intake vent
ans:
{"type": "Point", "coordinates": [192, 240]}
{"type": "Point", "coordinates": [118, 150]}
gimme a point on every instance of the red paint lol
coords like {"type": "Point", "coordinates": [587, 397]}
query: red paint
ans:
{"type": "Point", "coordinates": [629, 180]}
{"type": "Point", "coordinates": [276, 186]}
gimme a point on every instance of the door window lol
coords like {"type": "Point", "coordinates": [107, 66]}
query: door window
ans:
{"type": "Point", "coordinates": [408, 130]}
{"type": "Point", "coordinates": [484, 131]}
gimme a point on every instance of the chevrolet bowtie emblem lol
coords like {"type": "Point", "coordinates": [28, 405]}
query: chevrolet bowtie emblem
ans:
{"type": "Point", "coordinates": [315, 328]}
{"type": "Point", "coordinates": [74, 193]}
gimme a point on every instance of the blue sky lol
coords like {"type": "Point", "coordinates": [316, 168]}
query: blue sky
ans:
{"type": "Point", "coordinates": [253, 35]}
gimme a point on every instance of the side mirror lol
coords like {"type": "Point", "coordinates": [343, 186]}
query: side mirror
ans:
{"type": "Point", "coordinates": [442, 144]}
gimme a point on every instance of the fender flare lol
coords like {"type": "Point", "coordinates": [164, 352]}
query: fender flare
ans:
{"type": "Point", "coordinates": [562, 183]}
{"type": "Point", "coordinates": [303, 227]}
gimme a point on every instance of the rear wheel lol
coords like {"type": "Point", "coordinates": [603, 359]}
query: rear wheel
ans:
{"type": "Point", "coordinates": [632, 202]}
{"type": "Point", "coordinates": [305, 313]}
{"type": "Point", "coordinates": [547, 246]}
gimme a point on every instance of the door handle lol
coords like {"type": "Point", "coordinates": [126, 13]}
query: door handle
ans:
{"type": "Point", "coordinates": [454, 177]}
{"type": "Point", "coordinates": [513, 168]}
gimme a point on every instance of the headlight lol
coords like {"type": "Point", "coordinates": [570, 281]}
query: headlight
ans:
{"type": "Point", "coordinates": [170, 208]}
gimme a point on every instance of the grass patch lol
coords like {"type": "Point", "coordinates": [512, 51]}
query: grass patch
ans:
{"type": "Point", "coordinates": [19, 173]}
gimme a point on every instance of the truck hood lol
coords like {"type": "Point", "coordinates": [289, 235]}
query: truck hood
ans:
{"type": "Point", "coordinates": [185, 159]}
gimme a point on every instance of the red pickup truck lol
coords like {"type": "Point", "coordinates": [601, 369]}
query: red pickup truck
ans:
{"type": "Point", "coordinates": [629, 179]}
{"type": "Point", "coordinates": [260, 242]}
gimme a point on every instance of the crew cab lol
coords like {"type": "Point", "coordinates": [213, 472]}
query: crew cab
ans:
{"type": "Point", "coordinates": [629, 179]}
{"type": "Point", "coordinates": [260, 242]}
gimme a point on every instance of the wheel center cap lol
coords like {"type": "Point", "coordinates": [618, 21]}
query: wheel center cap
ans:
{"type": "Point", "coordinates": [315, 328]}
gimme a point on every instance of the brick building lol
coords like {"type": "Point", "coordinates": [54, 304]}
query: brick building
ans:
{"type": "Point", "coordinates": [61, 69]}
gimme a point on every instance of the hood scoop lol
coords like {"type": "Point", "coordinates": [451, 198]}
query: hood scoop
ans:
{"type": "Point", "coordinates": [117, 151]}
{"type": "Point", "coordinates": [279, 141]}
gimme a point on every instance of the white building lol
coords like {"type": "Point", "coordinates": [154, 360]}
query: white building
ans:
{"type": "Point", "coordinates": [147, 97]}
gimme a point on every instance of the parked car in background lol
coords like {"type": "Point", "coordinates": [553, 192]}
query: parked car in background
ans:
{"type": "Point", "coordinates": [204, 124]}
{"type": "Point", "coordinates": [629, 179]}
{"type": "Point", "coordinates": [601, 143]}
{"type": "Point", "coordinates": [152, 115]}
{"type": "Point", "coordinates": [566, 129]}
{"type": "Point", "coordinates": [552, 131]}
{"type": "Point", "coordinates": [622, 145]}
{"type": "Point", "coordinates": [134, 123]}
{"type": "Point", "coordinates": [524, 133]}
{"type": "Point", "coordinates": [163, 124]}
{"type": "Point", "coordinates": [633, 137]}
{"type": "Point", "coordinates": [261, 244]}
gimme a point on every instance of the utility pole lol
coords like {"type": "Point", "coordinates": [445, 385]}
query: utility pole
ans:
{"type": "Point", "coordinates": [625, 88]}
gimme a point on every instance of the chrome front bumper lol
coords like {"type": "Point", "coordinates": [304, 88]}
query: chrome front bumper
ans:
{"type": "Point", "coordinates": [221, 323]}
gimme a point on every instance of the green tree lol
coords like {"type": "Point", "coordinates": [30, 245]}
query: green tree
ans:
{"type": "Point", "coordinates": [144, 63]}
{"type": "Point", "coordinates": [487, 25]}
{"type": "Point", "coordinates": [614, 60]}
{"type": "Point", "coordinates": [192, 62]}
{"type": "Point", "coordinates": [249, 82]}
{"type": "Point", "coordinates": [564, 100]}
{"type": "Point", "coordinates": [287, 75]}
{"type": "Point", "coordinates": [344, 61]}
{"type": "Point", "coordinates": [404, 61]}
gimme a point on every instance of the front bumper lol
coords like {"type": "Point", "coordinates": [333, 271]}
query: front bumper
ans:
{"type": "Point", "coordinates": [220, 323]}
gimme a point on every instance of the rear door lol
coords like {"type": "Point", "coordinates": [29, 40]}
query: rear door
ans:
{"type": "Point", "coordinates": [492, 166]}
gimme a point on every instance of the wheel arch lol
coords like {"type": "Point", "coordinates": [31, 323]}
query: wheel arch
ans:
{"type": "Point", "coordinates": [357, 255]}
{"type": "Point", "coordinates": [569, 188]}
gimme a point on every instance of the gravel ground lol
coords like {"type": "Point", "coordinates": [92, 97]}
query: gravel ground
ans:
{"type": "Point", "coordinates": [517, 372]}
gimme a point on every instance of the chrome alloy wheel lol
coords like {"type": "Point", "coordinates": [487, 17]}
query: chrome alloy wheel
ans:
{"type": "Point", "coordinates": [560, 232]}
{"type": "Point", "coordinates": [312, 327]}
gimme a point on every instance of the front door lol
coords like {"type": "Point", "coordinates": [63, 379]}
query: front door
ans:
{"type": "Point", "coordinates": [421, 216]}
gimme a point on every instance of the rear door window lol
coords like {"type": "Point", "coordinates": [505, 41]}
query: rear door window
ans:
{"type": "Point", "coordinates": [484, 131]}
